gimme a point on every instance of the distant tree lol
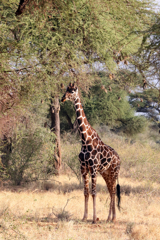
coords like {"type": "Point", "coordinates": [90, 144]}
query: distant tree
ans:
{"type": "Point", "coordinates": [147, 102]}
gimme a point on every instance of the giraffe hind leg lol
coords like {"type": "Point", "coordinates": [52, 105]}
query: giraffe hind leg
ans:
{"type": "Point", "coordinates": [112, 210]}
{"type": "Point", "coordinates": [111, 185]}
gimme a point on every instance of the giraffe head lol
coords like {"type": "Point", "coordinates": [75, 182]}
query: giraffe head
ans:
{"type": "Point", "coordinates": [71, 93]}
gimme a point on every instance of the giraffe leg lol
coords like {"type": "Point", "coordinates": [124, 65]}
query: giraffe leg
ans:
{"type": "Point", "coordinates": [107, 179]}
{"type": "Point", "coordinates": [85, 216]}
{"type": "Point", "coordinates": [86, 195]}
{"type": "Point", "coordinates": [112, 211]}
{"type": "Point", "coordinates": [113, 208]}
{"type": "Point", "coordinates": [94, 209]}
{"type": "Point", "coordinates": [94, 198]}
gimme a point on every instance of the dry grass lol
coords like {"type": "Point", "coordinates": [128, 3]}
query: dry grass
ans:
{"type": "Point", "coordinates": [30, 214]}
{"type": "Point", "coordinates": [53, 209]}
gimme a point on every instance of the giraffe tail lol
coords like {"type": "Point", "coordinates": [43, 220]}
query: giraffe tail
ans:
{"type": "Point", "coordinates": [118, 196]}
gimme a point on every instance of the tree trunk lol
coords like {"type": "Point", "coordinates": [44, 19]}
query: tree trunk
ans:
{"type": "Point", "coordinates": [55, 126]}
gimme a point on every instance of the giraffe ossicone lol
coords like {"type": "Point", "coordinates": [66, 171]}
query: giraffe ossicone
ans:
{"type": "Point", "coordinates": [95, 156]}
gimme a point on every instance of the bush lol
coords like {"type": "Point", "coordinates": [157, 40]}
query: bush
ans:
{"type": "Point", "coordinates": [133, 125]}
{"type": "Point", "coordinates": [32, 155]}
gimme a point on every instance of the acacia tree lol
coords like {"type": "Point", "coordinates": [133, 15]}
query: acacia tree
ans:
{"type": "Point", "coordinates": [54, 42]}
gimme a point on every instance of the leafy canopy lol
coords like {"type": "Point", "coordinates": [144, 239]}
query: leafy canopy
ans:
{"type": "Point", "coordinates": [52, 39]}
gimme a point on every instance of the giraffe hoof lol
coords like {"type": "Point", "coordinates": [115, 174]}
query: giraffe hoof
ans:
{"type": "Point", "coordinates": [108, 220]}
{"type": "Point", "coordinates": [111, 220]}
{"type": "Point", "coordinates": [114, 220]}
{"type": "Point", "coordinates": [84, 219]}
{"type": "Point", "coordinates": [95, 220]}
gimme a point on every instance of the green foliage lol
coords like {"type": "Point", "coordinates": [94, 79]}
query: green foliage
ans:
{"type": "Point", "coordinates": [107, 108]}
{"type": "Point", "coordinates": [134, 125]}
{"type": "Point", "coordinates": [53, 37]}
{"type": "Point", "coordinates": [147, 62]}
{"type": "Point", "coordinates": [67, 115]}
{"type": "Point", "coordinates": [148, 53]}
{"type": "Point", "coordinates": [145, 98]}
{"type": "Point", "coordinates": [127, 79]}
{"type": "Point", "coordinates": [32, 153]}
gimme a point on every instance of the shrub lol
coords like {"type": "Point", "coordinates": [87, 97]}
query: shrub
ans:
{"type": "Point", "coordinates": [32, 155]}
{"type": "Point", "coordinates": [133, 125]}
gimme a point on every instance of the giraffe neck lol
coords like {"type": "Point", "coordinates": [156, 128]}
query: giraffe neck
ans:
{"type": "Point", "coordinates": [83, 124]}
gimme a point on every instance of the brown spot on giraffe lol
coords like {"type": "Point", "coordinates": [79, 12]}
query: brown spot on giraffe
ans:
{"type": "Point", "coordinates": [95, 156]}
{"type": "Point", "coordinates": [95, 142]}
{"type": "Point", "coordinates": [85, 121]}
{"type": "Point", "coordinates": [82, 128]}
{"type": "Point", "coordinates": [83, 115]}
{"type": "Point", "coordinates": [89, 132]}
{"type": "Point", "coordinates": [80, 121]}
{"type": "Point", "coordinates": [89, 141]}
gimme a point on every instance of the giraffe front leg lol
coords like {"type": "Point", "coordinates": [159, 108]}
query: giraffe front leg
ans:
{"type": "Point", "coordinates": [94, 197]}
{"type": "Point", "coordinates": [85, 207]}
{"type": "Point", "coordinates": [86, 195]}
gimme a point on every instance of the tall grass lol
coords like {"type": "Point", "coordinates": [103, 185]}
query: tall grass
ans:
{"type": "Point", "coordinates": [140, 159]}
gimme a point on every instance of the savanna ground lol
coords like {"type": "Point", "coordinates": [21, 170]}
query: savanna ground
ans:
{"type": "Point", "coordinates": [54, 209]}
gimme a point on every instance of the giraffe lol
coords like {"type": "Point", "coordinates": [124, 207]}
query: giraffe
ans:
{"type": "Point", "coordinates": [95, 156]}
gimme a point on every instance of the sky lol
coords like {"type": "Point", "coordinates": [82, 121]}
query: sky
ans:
{"type": "Point", "coordinates": [158, 4]}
